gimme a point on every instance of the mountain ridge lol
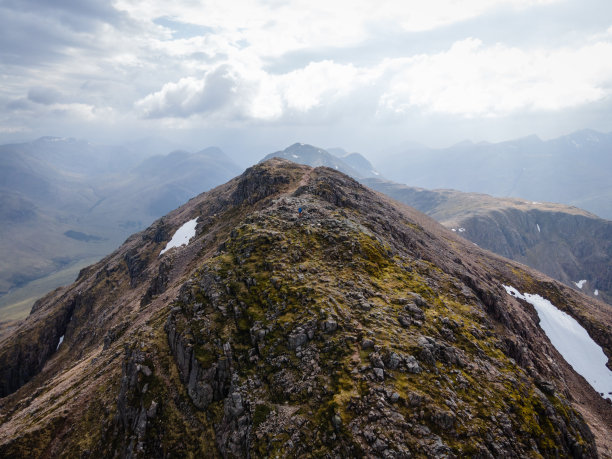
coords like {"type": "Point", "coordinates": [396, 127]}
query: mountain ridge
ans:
{"type": "Point", "coordinates": [565, 242]}
{"type": "Point", "coordinates": [275, 332]}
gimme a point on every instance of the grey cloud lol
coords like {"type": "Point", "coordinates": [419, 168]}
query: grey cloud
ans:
{"type": "Point", "coordinates": [218, 90]}
{"type": "Point", "coordinates": [44, 96]}
{"type": "Point", "coordinates": [19, 104]}
{"type": "Point", "coordinates": [76, 14]}
{"type": "Point", "coordinates": [34, 32]}
{"type": "Point", "coordinates": [26, 40]}
{"type": "Point", "coordinates": [50, 51]}
{"type": "Point", "coordinates": [555, 24]}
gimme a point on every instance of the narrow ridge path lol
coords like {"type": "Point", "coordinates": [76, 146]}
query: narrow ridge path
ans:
{"type": "Point", "coordinates": [303, 181]}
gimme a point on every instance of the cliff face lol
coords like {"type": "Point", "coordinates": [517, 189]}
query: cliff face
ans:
{"type": "Point", "coordinates": [565, 246]}
{"type": "Point", "coordinates": [356, 327]}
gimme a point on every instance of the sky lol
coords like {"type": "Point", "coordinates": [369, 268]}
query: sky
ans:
{"type": "Point", "coordinates": [254, 76]}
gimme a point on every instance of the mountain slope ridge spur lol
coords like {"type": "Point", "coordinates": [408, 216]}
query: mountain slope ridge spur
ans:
{"type": "Point", "coordinates": [565, 242]}
{"type": "Point", "coordinates": [358, 327]}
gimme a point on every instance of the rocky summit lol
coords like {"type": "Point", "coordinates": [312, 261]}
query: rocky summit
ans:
{"type": "Point", "coordinates": [307, 317]}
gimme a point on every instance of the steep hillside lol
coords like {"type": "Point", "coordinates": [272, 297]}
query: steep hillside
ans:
{"type": "Point", "coordinates": [163, 182]}
{"type": "Point", "coordinates": [359, 327]}
{"type": "Point", "coordinates": [566, 243]}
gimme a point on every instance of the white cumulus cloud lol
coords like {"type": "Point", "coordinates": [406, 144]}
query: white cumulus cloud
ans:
{"type": "Point", "coordinates": [472, 79]}
{"type": "Point", "coordinates": [251, 93]}
{"type": "Point", "coordinates": [469, 79]}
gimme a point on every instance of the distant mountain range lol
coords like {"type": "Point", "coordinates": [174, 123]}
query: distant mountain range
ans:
{"type": "Point", "coordinates": [565, 242]}
{"type": "Point", "coordinates": [65, 202]}
{"type": "Point", "coordinates": [575, 169]}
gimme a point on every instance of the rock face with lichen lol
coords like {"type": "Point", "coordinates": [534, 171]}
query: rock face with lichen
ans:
{"type": "Point", "coordinates": [356, 328]}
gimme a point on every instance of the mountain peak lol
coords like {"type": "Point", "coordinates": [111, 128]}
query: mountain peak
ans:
{"type": "Point", "coordinates": [304, 147]}
{"type": "Point", "coordinates": [308, 315]}
{"type": "Point", "coordinates": [353, 164]}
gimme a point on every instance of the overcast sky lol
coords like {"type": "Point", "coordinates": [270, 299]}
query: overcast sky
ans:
{"type": "Point", "coordinates": [258, 75]}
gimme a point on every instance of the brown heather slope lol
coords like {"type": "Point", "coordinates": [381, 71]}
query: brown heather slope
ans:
{"type": "Point", "coordinates": [361, 328]}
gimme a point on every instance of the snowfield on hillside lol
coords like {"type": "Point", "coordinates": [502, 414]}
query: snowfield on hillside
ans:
{"type": "Point", "coordinates": [572, 341]}
{"type": "Point", "coordinates": [580, 283]}
{"type": "Point", "coordinates": [182, 236]}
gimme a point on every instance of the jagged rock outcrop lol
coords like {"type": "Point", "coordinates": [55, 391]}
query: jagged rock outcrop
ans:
{"type": "Point", "coordinates": [355, 328]}
{"type": "Point", "coordinates": [134, 411]}
{"type": "Point", "coordinates": [158, 283]}
{"type": "Point", "coordinates": [135, 266]}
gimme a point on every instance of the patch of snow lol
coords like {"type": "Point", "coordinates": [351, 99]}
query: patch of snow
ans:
{"type": "Point", "coordinates": [596, 292]}
{"type": "Point", "coordinates": [572, 341]}
{"type": "Point", "coordinates": [580, 283]}
{"type": "Point", "coordinates": [295, 156]}
{"type": "Point", "coordinates": [336, 167]}
{"type": "Point", "coordinates": [576, 144]}
{"type": "Point", "coordinates": [374, 172]}
{"type": "Point", "coordinates": [462, 230]}
{"type": "Point", "coordinates": [60, 342]}
{"type": "Point", "coordinates": [453, 229]}
{"type": "Point", "coordinates": [538, 227]}
{"type": "Point", "coordinates": [535, 202]}
{"type": "Point", "coordinates": [182, 236]}
{"type": "Point", "coordinates": [592, 138]}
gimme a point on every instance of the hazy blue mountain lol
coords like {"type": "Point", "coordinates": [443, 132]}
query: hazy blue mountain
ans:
{"type": "Point", "coordinates": [355, 160]}
{"type": "Point", "coordinates": [353, 164]}
{"type": "Point", "coordinates": [75, 156]}
{"type": "Point", "coordinates": [575, 169]}
{"type": "Point", "coordinates": [163, 182]}
{"type": "Point", "coordinates": [152, 146]}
